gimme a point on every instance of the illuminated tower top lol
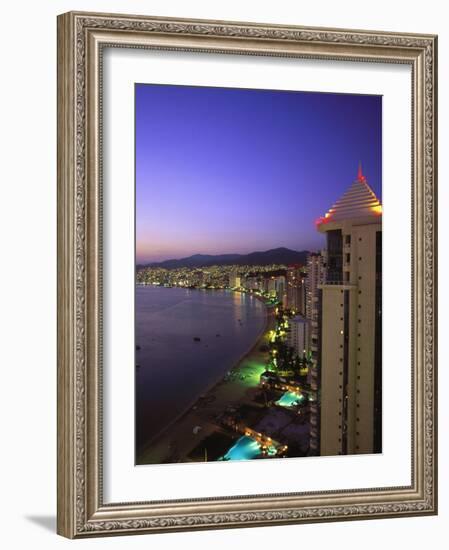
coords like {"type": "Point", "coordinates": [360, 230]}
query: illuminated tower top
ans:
{"type": "Point", "coordinates": [358, 202]}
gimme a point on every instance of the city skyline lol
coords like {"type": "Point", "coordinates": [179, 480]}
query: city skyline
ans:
{"type": "Point", "coordinates": [311, 382]}
{"type": "Point", "coordinates": [223, 170]}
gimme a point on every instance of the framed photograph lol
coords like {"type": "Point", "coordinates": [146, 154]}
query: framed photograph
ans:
{"type": "Point", "coordinates": [246, 274]}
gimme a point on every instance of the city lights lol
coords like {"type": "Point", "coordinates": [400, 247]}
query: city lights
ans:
{"type": "Point", "coordinates": [293, 388]}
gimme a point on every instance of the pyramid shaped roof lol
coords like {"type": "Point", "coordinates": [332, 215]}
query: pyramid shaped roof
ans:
{"type": "Point", "coordinates": [359, 201]}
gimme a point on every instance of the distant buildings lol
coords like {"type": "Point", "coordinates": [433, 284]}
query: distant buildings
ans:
{"type": "Point", "coordinates": [298, 335]}
{"type": "Point", "coordinates": [349, 326]}
{"type": "Point", "coordinates": [235, 279]}
{"type": "Point", "coordinates": [275, 286]}
{"type": "Point", "coordinates": [316, 272]}
{"type": "Point", "coordinates": [295, 280]}
{"type": "Point", "coordinates": [254, 282]}
{"type": "Point", "coordinates": [257, 278]}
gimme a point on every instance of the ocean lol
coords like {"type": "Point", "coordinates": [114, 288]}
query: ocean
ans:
{"type": "Point", "coordinates": [172, 369]}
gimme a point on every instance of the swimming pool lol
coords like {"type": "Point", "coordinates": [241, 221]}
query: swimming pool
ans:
{"type": "Point", "coordinates": [290, 399]}
{"type": "Point", "coordinates": [245, 448]}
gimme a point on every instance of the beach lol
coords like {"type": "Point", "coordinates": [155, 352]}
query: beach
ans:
{"type": "Point", "coordinates": [237, 387]}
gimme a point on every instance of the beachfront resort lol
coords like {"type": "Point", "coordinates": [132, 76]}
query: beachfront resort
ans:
{"type": "Point", "coordinates": [260, 409]}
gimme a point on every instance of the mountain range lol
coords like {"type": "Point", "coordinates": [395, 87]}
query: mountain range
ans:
{"type": "Point", "coordinates": [281, 255]}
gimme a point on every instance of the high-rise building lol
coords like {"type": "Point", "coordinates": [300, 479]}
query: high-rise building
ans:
{"type": "Point", "coordinates": [316, 272]}
{"type": "Point", "coordinates": [316, 266]}
{"type": "Point", "coordinates": [235, 279]}
{"type": "Point", "coordinates": [254, 283]}
{"type": "Point", "coordinates": [298, 335]}
{"type": "Point", "coordinates": [350, 328]}
{"type": "Point", "coordinates": [275, 286]}
{"type": "Point", "coordinates": [295, 280]}
{"type": "Point", "coordinates": [280, 288]}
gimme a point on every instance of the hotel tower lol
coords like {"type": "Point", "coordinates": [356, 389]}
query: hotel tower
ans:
{"type": "Point", "coordinates": [350, 331]}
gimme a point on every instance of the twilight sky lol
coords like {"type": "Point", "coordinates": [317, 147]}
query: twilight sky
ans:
{"type": "Point", "coordinates": [222, 170]}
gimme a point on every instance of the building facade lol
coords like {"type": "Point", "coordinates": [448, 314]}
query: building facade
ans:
{"type": "Point", "coordinates": [298, 335]}
{"type": "Point", "coordinates": [316, 264]}
{"type": "Point", "coordinates": [235, 279]}
{"type": "Point", "coordinates": [275, 286]}
{"type": "Point", "coordinates": [295, 280]}
{"type": "Point", "coordinates": [254, 282]}
{"type": "Point", "coordinates": [350, 338]}
{"type": "Point", "coordinates": [316, 273]}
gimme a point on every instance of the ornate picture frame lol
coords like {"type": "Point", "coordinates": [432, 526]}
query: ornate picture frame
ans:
{"type": "Point", "coordinates": [82, 38]}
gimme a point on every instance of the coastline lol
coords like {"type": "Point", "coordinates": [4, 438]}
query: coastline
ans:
{"type": "Point", "coordinates": [226, 390]}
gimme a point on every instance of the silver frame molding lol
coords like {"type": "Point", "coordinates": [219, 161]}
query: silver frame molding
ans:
{"type": "Point", "coordinates": [81, 38]}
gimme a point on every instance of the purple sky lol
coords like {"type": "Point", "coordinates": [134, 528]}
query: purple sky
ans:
{"type": "Point", "coordinates": [222, 170]}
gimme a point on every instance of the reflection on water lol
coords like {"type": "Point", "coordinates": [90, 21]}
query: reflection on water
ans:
{"type": "Point", "coordinates": [173, 368]}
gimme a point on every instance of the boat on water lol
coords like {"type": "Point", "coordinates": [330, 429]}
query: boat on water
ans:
{"type": "Point", "coordinates": [196, 339]}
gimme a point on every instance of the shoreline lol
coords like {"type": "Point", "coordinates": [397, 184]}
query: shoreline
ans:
{"type": "Point", "coordinates": [193, 411]}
